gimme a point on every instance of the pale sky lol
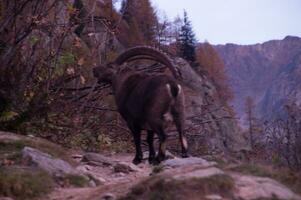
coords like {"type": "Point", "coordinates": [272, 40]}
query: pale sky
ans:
{"type": "Point", "coordinates": [237, 21]}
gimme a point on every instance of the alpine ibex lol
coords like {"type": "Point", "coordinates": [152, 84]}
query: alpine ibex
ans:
{"type": "Point", "coordinates": [146, 102]}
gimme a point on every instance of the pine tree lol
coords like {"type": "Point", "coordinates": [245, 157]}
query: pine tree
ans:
{"type": "Point", "coordinates": [186, 40]}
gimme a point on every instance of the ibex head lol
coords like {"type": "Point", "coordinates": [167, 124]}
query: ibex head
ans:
{"type": "Point", "coordinates": [104, 73]}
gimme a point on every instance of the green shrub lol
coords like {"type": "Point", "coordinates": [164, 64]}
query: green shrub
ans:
{"type": "Point", "coordinates": [75, 180]}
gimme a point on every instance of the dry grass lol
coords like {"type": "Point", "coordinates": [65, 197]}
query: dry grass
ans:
{"type": "Point", "coordinates": [24, 183]}
{"type": "Point", "coordinates": [284, 175]}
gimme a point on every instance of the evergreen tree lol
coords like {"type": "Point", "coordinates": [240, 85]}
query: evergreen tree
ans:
{"type": "Point", "coordinates": [186, 40]}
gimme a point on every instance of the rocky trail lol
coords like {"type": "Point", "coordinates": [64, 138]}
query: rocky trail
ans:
{"type": "Point", "coordinates": [109, 177]}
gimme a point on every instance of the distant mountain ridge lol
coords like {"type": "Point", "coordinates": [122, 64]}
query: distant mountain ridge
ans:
{"type": "Point", "coordinates": [270, 73]}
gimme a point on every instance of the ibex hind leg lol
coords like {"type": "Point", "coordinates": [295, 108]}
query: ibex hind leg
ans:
{"type": "Point", "coordinates": [137, 140]}
{"type": "Point", "coordinates": [152, 152]}
{"type": "Point", "coordinates": [162, 146]}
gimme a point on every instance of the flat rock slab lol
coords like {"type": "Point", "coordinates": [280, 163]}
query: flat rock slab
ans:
{"type": "Point", "coordinates": [53, 166]}
{"type": "Point", "coordinates": [183, 162]}
{"type": "Point", "coordinates": [200, 173]}
{"type": "Point", "coordinates": [97, 159]}
{"type": "Point", "coordinates": [251, 187]}
{"type": "Point", "coordinates": [213, 197]}
{"type": "Point", "coordinates": [8, 136]}
{"type": "Point", "coordinates": [125, 167]}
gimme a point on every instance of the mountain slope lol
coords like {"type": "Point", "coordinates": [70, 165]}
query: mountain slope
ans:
{"type": "Point", "coordinates": [268, 72]}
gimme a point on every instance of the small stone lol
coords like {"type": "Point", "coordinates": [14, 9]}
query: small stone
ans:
{"type": "Point", "coordinates": [119, 174]}
{"type": "Point", "coordinates": [97, 179]}
{"type": "Point", "coordinates": [77, 157]}
{"type": "Point", "coordinates": [97, 159]}
{"type": "Point", "coordinates": [92, 183]}
{"type": "Point", "coordinates": [84, 168]}
{"type": "Point", "coordinates": [125, 167]}
{"type": "Point", "coordinates": [213, 197]}
{"type": "Point", "coordinates": [108, 196]}
{"type": "Point", "coordinates": [31, 136]}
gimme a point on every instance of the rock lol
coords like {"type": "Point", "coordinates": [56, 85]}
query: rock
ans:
{"type": "Point", "coordinates": [31, 136]}
{"type": "Point", "coordinates": [183, 162]}
{"type": "Point", "coordinates": [5, 198]}
{"type": "Point", "coordinates": [84, 168]}
{"type": "Point", "coordinates": [119, 175]}
{"type": "Point", "coordinates": [9, 136]}
{"type": "Point", "coordinates": [97, 159]}
{"type": "Point", "coordinates": [77, 157]}
{"type": "Point", "coordinates": [213, 197]}
{"type": "Point", "coordinates": [108, 196]}
{"type": "Point", "coordinates": [222, 133]}
{"type": "Point", "coordinates": [53, 166]}
{"type": "Point", "coordinates": [200, 173]}
{"type": "Point", "coordinates": [251, 187]}
{"type": "Point", "coordinates": [92, 183]}
{"type": "Point", "coordinates": [168, 154]}
{"type": "Point", "coordinates": [96, 178]}
{"type": "Point", "coordinates": [125, 167]}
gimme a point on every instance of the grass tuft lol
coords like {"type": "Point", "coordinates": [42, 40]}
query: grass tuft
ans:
{"type": "Point", "coordinates": [284, 175]}
{"type": "Point", "coordinates": [159, 187]}
{"type": "Point", "coordinates": [22, 183]}
{"type": "Point", "coordinates": [75, 180]}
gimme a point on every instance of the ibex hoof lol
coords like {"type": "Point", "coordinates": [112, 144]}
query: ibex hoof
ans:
{"type": "Point", "coordinates": [159, 159]}
{"type": "Point", "coordinates": [152, 160]}
{"type": "Point", "coordinates": [185, 155]}
{"type": "Point", "coordinates": [137, 161]}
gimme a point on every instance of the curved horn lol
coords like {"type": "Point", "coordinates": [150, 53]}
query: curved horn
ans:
{"type": "Point", "coordinates": [151, 53]}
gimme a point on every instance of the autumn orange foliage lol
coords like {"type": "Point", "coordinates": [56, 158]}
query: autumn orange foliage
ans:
{"type": "Point", "coordinates": [211, 63]}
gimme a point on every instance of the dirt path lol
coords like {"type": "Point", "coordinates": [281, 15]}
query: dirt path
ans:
{"type": "Point", "coordinates": [115, 183]}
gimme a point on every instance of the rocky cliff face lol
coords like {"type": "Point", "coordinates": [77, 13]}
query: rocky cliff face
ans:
{"type": "Point", "coordinates": [210, 124]}
{"type": "Point", "coordinates": [268, 72]}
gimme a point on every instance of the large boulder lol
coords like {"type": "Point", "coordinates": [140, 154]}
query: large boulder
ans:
{"type": "Point", "coordinates": [252, 187]}
{"type": "Point", "coordinates": [53, 166]}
